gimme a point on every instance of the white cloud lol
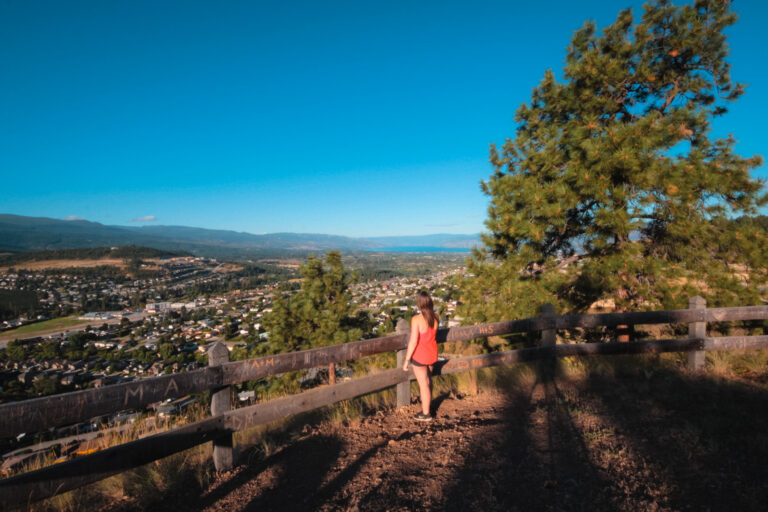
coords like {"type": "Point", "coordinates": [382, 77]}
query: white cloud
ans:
{"type": "Point", "coordinates": [445, 225]}
{"type": "Point", "coordinates": [146, 218]}
{"type": "Point", "coordinates": [74, 217]}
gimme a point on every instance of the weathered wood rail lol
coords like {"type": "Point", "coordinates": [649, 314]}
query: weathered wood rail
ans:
{"type": "Point", "coordinates": [41, 413]}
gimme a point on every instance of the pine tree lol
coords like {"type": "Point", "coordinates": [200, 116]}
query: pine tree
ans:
{"type": "Point", "coordinates": [614, 188]}
{"type": "Point", "coordinates": [320, 314]}
{"type": "Point", "coordinates": [279, 324]}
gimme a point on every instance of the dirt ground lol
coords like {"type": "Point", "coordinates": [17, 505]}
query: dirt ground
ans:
{"type": "Point", "coordinates": [101, 262]}
{"type": "Point", "coordinates": [59, 264]}
{"type": "Point", "coordinates": [658, 441]}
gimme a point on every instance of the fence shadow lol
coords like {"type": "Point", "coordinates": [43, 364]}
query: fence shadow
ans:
{"type": "Point", "coordinates": [703, 440]}
{"type": "Point", "coordinates": [525, 456]}
{"type": "Point", "coordinates": [283, 481]}
{"type": "Point", "coordinates": [643, 440]}
{"type": "Point", "coordinates": [648, 438]}
{"type": "Point", "coordinates": [540, 460]}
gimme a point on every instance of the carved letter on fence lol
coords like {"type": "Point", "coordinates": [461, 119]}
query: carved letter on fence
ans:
{"type": "Point", "coordinates": [171, 386]}
{"type": "Point", "coordinates": [129, 393]}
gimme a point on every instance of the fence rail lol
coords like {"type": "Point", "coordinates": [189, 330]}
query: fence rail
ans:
{"type": "Point", "coordinates": [41, 413]}
{"type": "Point", "coordinates": [69, 408]}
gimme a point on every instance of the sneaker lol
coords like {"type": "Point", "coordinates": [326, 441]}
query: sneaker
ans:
{"type": "Point", "coordinates": [422, 417]}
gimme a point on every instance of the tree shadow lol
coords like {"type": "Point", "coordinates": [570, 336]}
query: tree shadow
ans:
{"type": "Point", "coordinates": [345, 476]}
{"type": "Point", "coordinates": [530, 456]}
{"type": "Point", "coordinates": [704, 439]}
{"type": "Point", "coordinates": [648, 438]}
{"type": "Point", "coordinates": [543, 462]}
{"type": "Point", "coordinates": [294, 473]}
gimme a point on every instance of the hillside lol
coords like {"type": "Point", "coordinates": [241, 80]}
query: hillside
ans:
{"type": "Point", "coordinates": [19, 233]}
{"type": "Point", "coordinates": [442, 240]}
{"type": "Point", "coordinates": [661, 441]}
{"type": "Point", "coordinates": [93, 253]}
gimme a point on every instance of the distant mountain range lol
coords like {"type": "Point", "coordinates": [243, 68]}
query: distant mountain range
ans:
{"type": "Point", "coordinates": [19, 233]}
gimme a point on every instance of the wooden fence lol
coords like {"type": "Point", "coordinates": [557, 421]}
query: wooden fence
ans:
{"type": "Point", "coordinates": [42, 413]}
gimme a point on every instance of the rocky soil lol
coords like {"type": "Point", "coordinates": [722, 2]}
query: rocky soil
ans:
{"type": "Point", "coordinates": [658, 441]}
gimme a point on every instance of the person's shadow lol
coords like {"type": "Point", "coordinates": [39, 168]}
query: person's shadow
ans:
{"type": "Point", "coordinates": [437, 401]}
{"type": "Point", "coordinates": [437, 368]}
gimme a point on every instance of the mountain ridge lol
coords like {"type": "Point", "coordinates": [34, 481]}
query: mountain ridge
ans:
{"type": "Point", "coordinates": [20, 233]}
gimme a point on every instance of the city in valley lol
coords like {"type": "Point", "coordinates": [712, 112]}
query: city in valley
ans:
{"type": "Point", "coordinates": [90, 324]}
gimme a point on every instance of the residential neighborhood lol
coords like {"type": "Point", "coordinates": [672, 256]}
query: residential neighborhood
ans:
{"type": "Point", "coordinates": [153, 327]}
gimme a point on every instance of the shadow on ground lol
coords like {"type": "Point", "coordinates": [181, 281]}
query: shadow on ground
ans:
{"type": "Point", "coordinates": [650, 440]}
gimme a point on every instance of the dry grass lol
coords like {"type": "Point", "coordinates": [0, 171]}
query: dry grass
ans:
{"type": "Point", "coordinates": [151, 264]}
{"type": "Point", "coordinates": [193, 469]}
{"type": "Point", "coordinates": [149, 482]}
{"type": "Point", "coordinates": [740, 363]}
{"type": "Point", "coordinates": [44, 327]}
{"type": "Point", "coordinates": [62, 264]}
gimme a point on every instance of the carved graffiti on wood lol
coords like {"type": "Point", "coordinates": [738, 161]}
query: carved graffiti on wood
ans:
{"type": "Point", "coordinates": [485, 330]}
{"type": "Point", "coordinates": [258, 363]}
{"type": "Point", "coordinates": [133, 392]}
{"type": "Point", "coordinates": [172, 386]}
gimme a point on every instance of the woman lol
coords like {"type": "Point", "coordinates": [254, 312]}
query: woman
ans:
{"type": "Point", "coordinates": [422, 351]}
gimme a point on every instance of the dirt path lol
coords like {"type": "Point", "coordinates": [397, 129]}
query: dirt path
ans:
{"type": "Point", "coordinates": [659, 442]}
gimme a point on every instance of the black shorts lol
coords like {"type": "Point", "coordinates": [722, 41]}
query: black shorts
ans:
{"type": "Point", "coordinates": [416, 363]}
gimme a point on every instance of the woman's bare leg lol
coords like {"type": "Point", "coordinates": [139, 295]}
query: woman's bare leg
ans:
{"type": "Point", "coordinates": [429, 378]}
{"type": "Point", "coordinates": [425, 387]}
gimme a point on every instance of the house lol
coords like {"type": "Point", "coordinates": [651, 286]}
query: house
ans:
{"type": "Point", "coordinates": [170, 408]}
{"type": "Point", "coordinates": [26, 377]}
{"type": "Point", "coordinates": [96, 316]}
{"type": "Point", "coordinates": [231, 345]}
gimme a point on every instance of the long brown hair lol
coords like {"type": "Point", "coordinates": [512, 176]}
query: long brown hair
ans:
{"type": "Point", "coordinates": [427, 308]}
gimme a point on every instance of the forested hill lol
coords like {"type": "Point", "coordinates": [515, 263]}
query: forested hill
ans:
{"type": "Point", "coordinates": [128, 252]}
{"type": "Point", "coordinates": [19, 233]}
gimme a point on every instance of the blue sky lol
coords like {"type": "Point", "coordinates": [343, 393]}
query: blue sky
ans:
{"type": "Point", "coordinates": [350, 118]}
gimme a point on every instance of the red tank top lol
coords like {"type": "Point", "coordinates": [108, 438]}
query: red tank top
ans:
{"type": "Point", "coordinates": [426, 347]}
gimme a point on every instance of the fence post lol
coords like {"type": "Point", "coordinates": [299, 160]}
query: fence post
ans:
{"type": "Point", "coordinates": [548, 339]}
{"type": "Point", "coordinates": [332, 374]}
{"type": "Point", "coordinates": [403, 388]}
{"type": "Point", "coordinates": [696, 330]}
{"type": "Point", "coordinates": [548, 336]}
{"type": "Point", "coordinates": [221, 403]}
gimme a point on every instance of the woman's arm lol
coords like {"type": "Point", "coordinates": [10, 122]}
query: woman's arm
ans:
{"type": "Point", "coordinates": [412, 341]}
